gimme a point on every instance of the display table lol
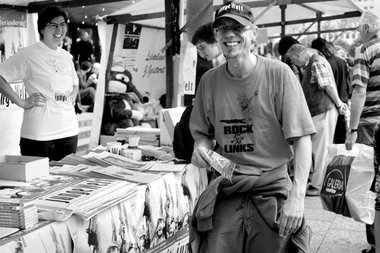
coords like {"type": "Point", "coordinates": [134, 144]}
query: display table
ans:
{"type": "Point", "coordinates": [155, 213]}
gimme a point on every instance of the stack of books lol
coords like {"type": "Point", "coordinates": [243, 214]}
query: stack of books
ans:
{"type": "Point", "coordinates": [18, 215]}
{"type": "Point", "coordinates": [148, 136]}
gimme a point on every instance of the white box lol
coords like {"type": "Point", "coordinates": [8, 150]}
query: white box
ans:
{"type": "Point", "coordinates": [23, 168]}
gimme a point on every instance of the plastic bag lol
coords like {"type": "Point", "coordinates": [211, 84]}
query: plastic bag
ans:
{"type": "Point", "coordinates": [348, 178]}
{"type": "Point", "coordinates": [221, 164]}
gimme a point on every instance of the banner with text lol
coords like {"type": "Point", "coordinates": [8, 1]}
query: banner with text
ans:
{"type": "Point", "coordinates": [13, 37]}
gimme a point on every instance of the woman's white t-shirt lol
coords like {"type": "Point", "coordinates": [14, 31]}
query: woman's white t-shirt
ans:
{"type": "Point", "coordinates": [52, 73]}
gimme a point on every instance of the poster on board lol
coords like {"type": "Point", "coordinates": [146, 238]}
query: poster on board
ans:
{"type": "Point", "coordinates": [130, 45]}
{"type": "Point", "coordinates": [13, 36]}
{"type": "Point", "coordinates": [150, 75]}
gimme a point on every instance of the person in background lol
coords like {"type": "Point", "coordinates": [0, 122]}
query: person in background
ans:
{"type": "Point", "coordinates": [254, 109]}
{"type": "Point", "coordinates": [208, 52]}
{"type": "Point", "coordinates": [50, 126]}
{"type": "Point", "coordinates": [84, 49]}
{"type": "Point", "coordinates": [341, 77]}
{"type": "Point", "coordinates": [283, 46]}
{"type": "Point", "coordinates": [93, 75]}
{"type": "Point", "coordinates": [324, 105]}
{"type": "Point", "coordinates": [87, 93]}
{"type": "Point", "coordinates": [365, 101]}
{"type": "Point", "coordinates": [207, 45]}
{"type": "Point", "coordinates": [67, 43]}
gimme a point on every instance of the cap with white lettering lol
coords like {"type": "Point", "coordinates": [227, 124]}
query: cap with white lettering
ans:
{"type": "Point", "coordinates": [237, 11]}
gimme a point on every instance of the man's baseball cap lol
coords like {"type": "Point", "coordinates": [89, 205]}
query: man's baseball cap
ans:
{"type": "Point", "coordinates": [237, 11]}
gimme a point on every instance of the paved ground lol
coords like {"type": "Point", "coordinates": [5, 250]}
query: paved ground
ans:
{"type": "Point", "coordinates": [333, 233]}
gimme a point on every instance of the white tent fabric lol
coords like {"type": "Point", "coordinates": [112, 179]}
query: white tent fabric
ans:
{"type": "Point", "coordinates": [293, 12]}
{"type": "Point", "coordinates": [105, 32]}
{"type": "Point", "coordinates": [142, 7]}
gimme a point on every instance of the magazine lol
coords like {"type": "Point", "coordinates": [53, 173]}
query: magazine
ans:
{"type": "Point", "coordinates": [24, 193]}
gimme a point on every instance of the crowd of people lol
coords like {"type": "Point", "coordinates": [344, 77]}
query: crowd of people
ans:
{"type": "Point", "coordinates": [272, 118]}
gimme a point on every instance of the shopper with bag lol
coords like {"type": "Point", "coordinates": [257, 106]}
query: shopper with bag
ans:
{"type": "Point", "coordinates": [365, 109]}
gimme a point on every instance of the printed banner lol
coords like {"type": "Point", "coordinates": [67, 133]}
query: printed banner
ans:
{"type": "Point", "coordinates": [13, 37]}
{"type": "Point", "coordinates": [12, 18]}
{"type": "Point", "coordinates": [5, 103]}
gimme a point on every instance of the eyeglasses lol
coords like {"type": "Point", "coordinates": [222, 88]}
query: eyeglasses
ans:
{"type": "Point", "coordinates": [53, 25]}
{"type": "Point", "coordinates": [236, 28]}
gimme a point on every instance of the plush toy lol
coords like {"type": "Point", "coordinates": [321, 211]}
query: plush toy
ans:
{"type": "Point", "coordinates": [122, 108]}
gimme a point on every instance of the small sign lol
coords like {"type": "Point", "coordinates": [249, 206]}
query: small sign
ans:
{"type": "Point", "coordinates": [189, 65]}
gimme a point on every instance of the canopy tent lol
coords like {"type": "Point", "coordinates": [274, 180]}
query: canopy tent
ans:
{"type": "Point", "coordinates": [274, 15]}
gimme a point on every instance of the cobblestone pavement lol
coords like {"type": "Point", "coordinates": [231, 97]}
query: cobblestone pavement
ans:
{"type": "Point", "coordinates": [333, 233]}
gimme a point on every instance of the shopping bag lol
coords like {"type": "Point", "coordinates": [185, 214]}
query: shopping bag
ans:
{"type": "Point", "coordinates": [348, 178]}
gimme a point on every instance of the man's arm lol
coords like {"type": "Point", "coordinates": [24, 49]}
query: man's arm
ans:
{"type": "Point", "coordinates": [201, 155]}
{"type": "Point", "coordinates": [357, 104]}
{"type": "Point", "coordinates": [326, 81]}
{"type": "Point", "coordinates": [293, 210]}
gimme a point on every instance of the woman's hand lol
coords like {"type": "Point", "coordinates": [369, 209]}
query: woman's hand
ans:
{"type": "Point", "coordinates": [36, 99]}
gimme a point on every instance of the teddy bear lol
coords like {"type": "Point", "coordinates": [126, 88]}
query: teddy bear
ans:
{"type": "Point", "coordinates": [122, 106]}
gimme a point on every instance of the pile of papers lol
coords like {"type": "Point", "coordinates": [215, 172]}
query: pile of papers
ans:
{"type": "Point", "coordinates": [88, 197]}
{"type": "Point", "coordinates": [148, 136]}
{"type": "Point", "coordinates": [58, 196]}
{"type": "Point", "coordinates": [13, 215]}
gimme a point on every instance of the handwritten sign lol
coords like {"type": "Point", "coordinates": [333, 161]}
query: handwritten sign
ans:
{"type": "Point", "coordinates": [150, 64]}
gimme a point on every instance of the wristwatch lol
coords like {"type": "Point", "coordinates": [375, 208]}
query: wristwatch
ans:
{"type": "Point", "coordinates": [353, 130]}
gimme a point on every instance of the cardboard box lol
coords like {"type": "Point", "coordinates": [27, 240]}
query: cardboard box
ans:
{"type": "Point", "coordinates": [23, 168]}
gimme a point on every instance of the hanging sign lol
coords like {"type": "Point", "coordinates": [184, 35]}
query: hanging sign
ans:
{"type": "Point", "coordinates": [188, 69]}
{"type": "Point", "coordinates": [12, 18]}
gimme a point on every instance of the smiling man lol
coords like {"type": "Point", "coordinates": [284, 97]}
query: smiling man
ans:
{"type": "Point", "coordinates": [254, 109]}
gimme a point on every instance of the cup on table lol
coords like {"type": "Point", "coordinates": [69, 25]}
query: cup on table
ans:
{"type": "Point", "coordinates": [133, 141]}
{"type": "Point", "coordinates": [122, 140]}
{"type": "Point", "coordinates": [114, 147]}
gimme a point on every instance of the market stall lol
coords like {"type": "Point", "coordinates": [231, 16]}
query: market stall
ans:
{"type": "Point", "coordinates": [145, 219]}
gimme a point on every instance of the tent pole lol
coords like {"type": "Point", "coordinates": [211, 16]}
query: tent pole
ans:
{"type": "Point", "coordinates": [319, 15]}
{"type": "Point", "coordinates": [169, 55]}
{"type": "Point", "coordinates": [283, 7]}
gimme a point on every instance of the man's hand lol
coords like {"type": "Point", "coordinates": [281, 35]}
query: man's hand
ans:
{"type": "Point", "coordinates": [201, 157]}
{"type": "Point", "coordinates": [343, 108]}
{"type": "Point", "coordinates": [36, 99]}
{"type": "Point", "coordinates": [351, 139]}
{"type": "Point", "coordinates": [291, 216]}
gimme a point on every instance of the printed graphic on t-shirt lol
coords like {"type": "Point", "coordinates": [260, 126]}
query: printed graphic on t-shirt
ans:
{"type": "Point", "coordinates": [237, 130]}
{"type": "Point", "coordinates": [246, 104]}
{"type": "Point", "coordinates": [240, 131]}
{"type": "Point", "coordinates": [58, 66]}
{"type": "Point", "coordinates": [62, 97]}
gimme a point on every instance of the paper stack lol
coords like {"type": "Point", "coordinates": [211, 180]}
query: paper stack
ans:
{"type": "Point", "coordinates": [88, 197]}
{"type": "Point", "coordinates": [148, 136]}
{"type": "Point", "coordinates": [13, 215]}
